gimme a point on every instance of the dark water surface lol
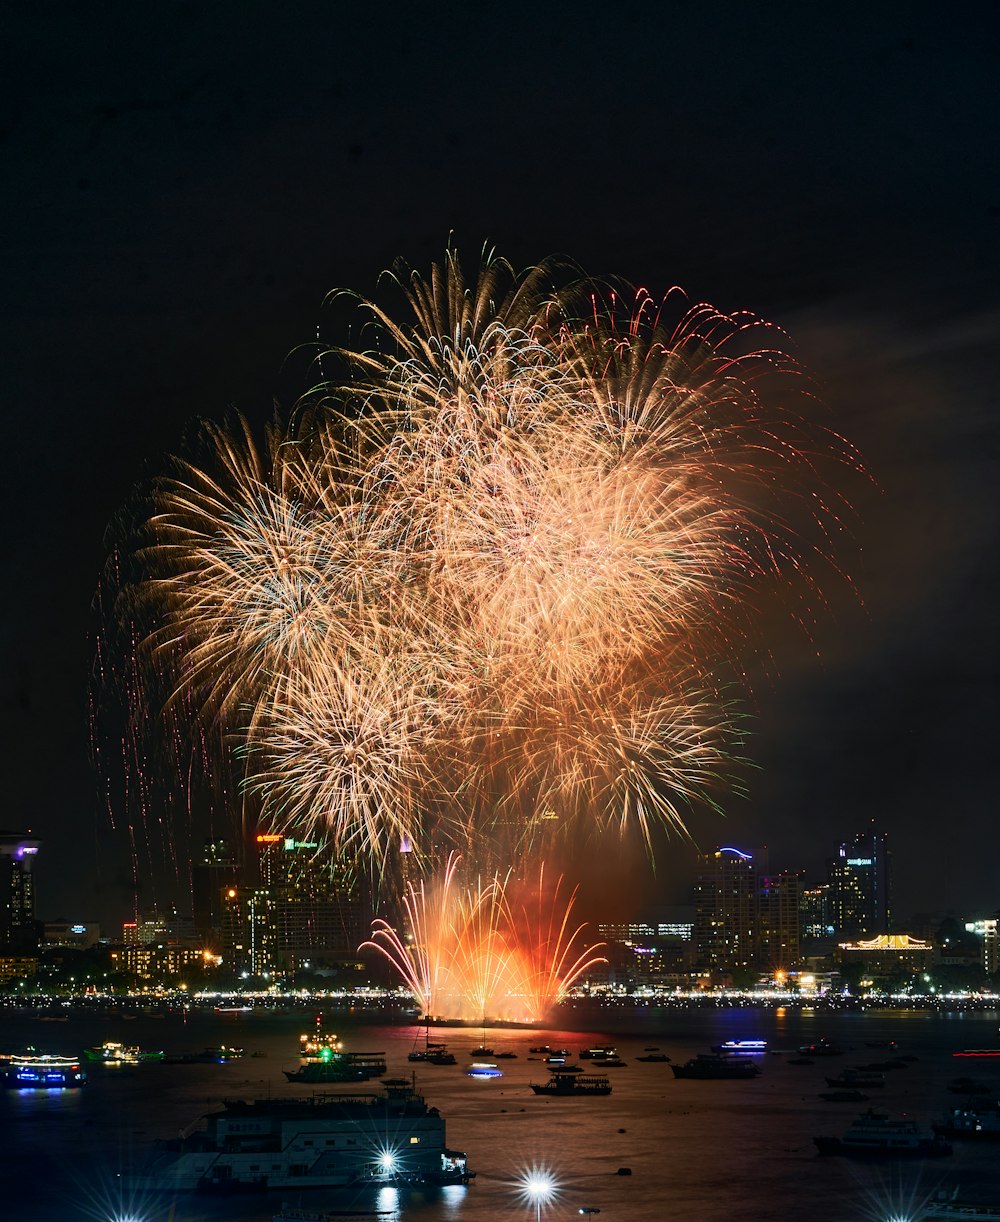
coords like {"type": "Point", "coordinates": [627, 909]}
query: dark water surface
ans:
{"type": "Point", "coordinates": [699, 1151]}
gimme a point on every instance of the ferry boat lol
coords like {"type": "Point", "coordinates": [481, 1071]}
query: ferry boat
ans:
{"type": "Point", "coordinates": [113, 1052]}
{"type": "Point", "coordinates": [716, 1065]}
{"type": "Point", "coordinates": [323, 1059]}
{"type": "Point", "coordinates": [43, 1071]}
{"type": "Point", "coordinates": [877, 1135]}
{"type": "Point", "coordinates": [562, 1083]}
{"type": "Point", "coordinates": [326, 1141]}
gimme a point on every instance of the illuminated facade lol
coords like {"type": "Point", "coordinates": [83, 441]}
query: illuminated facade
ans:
{"type": "Point", "coordinates": [725, 911]}
{"type": "Point", "coordinates": [306, 911]}
{"type": "Point", "coordinates": [888, 953]}
{"type": "Point", "coordinates": [778, 920]}
{"type": "Point", "coordinates": [18, 931]}
{"type": "Point", "coordinates": [816, 912]}
{"type": "Point", "coordinates": [859, 879]}
{"type": "Point", "coordinates": [988, 932]}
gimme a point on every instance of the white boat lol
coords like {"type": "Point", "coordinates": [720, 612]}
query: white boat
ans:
{"type": "Point", "coordinates": [946, 1207]}
{"type": "Point", "coordinates": [326, 1141]}
{"type": "Point", "coordinates": [878, 1135]}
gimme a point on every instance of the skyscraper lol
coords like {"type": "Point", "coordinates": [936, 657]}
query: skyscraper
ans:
{"type": "Point", "coordinates": [17, 914]}
{"type": "Point", "coordinates": [725, 916]}
{"type": "Point", "coordinates": [778, 916]}
{"type": "Point", "coordinates": [859, 878]}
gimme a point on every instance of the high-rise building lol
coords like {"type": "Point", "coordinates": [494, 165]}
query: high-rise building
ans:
{"type": "Point", "coordinates": [778, 920]}
{"type": "Point", "coordinates": [214, 873]}
{"type": "Point", "coordinates": [859, 878]}
{"type": "Point", "coordinates": [17, 914]}
{"type": "Point", "coordinates": [816, 913]}
{"type": "Point", "coordinates": [307, 909]}
{"type": "Point", "coordinates": [725, 910]}
{"type": "Point", "coordinates": [987, 930]}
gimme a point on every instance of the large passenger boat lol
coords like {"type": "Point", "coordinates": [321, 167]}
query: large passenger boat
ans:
{"type": "Point", "coordinates": [878, 1135]}
{"type": "Point", "coordinates": [43, 1071]}
{"type": "Point", "coordinates": [326, 1141]}
{"type": "Point", "coordinates": [564, 1083]}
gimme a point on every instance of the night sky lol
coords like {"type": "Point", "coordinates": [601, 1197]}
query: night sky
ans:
{"type": "Point", "coordinates": [186, 182]}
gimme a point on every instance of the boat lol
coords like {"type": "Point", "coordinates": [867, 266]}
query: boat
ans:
{"type": "Point", "coordinates": [483, 1069]}
{"type": "Point", "coordinates": [822, 1048]}
{"type": "Point", "coordinates": [717, 1065]}
{"type": "Point", "coordinates": [219, 1054]}
{"type": "Point", "coordinates": [857, 1078]}
{"type": "Point", "coordinates": [600, 1053]}
{"type": "Point", "coordinates": [979, 1122]}
{"type": "Point", "coordinates": [945, 1206]}
{"type": "Point", "coordinates": [323, 1059]}
{"type": "Point", "coordinates": [969, 1086]}
{"type": "Point", "coordinates": [651, 1058]}
{"type": "Point", "coordinates": [326, 1141]}
{"type": "Point", "coordinates": [843, 1096]}
{"type": "Point", "coordinates": [113, 1052]}
{"type": "Point", "coordinates": [742, 1047]}
{"type": "Point", "coordinates": [506, 1056]}
{"type": "Point", "coordinates": [877, 1135]}
{"type": "Point", "coordinates": [562, 1084]}
{"type": "Point", "coordinates": [34, 1071]}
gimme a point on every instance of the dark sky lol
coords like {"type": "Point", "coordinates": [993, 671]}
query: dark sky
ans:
{"type": "Point", "coordinates": [185, 182]}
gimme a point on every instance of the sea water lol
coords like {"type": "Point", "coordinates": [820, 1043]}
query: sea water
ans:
{"type": "Point", "coordinates": [698, 1151]}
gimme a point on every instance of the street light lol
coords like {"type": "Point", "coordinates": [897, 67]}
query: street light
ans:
{"type": "Point", "coordinates": [538, 1187]}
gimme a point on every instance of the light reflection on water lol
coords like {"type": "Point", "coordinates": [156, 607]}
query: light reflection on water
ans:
{"type": "Point", "coordinates": [699, 1152]}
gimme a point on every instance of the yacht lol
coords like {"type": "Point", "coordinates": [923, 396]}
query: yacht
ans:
{"type": "Point", "coordinates": [877, 1135]}
{"type": "Point", "coordinates": [326, 1141]}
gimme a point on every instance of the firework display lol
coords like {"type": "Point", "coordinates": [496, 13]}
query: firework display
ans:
{"type": "Point", "coordinates": [485, 591]}
{"type": "Point", "coordinates": [476, 952]}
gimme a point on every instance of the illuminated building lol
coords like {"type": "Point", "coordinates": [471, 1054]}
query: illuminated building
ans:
{"type": "Point", "coordinates": [778, 920]}
{"type": "Point", "coordinates": [76, 935]}
{"type": "Point", "coordinates": [654, 951]}
{"type": "Point", "coordinates": [988, 932]}
{"type": "Point", "coordinates": [17, 915]}
{"type": "Point", "coordinates": [888, 953]}
{"type": "Point", "coordinates": [213, 875]}
{"type": "Point", "coordinates": [725, 910]}
{"type": "Point", "coordinates": [816, 912]}
{"type": "Point", "coordinates": [157, 946]}
{"type": "Point", "coordinates": [307, 910]}
{"type": "Point", "coordinates": [859, 878]}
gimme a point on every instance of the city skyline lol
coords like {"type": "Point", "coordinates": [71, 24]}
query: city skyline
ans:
{"type": "Point", "coordinates": [175, 232]}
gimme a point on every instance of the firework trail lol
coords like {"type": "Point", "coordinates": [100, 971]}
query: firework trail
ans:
{"type": "Point", "coordinates": [485, 587]}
